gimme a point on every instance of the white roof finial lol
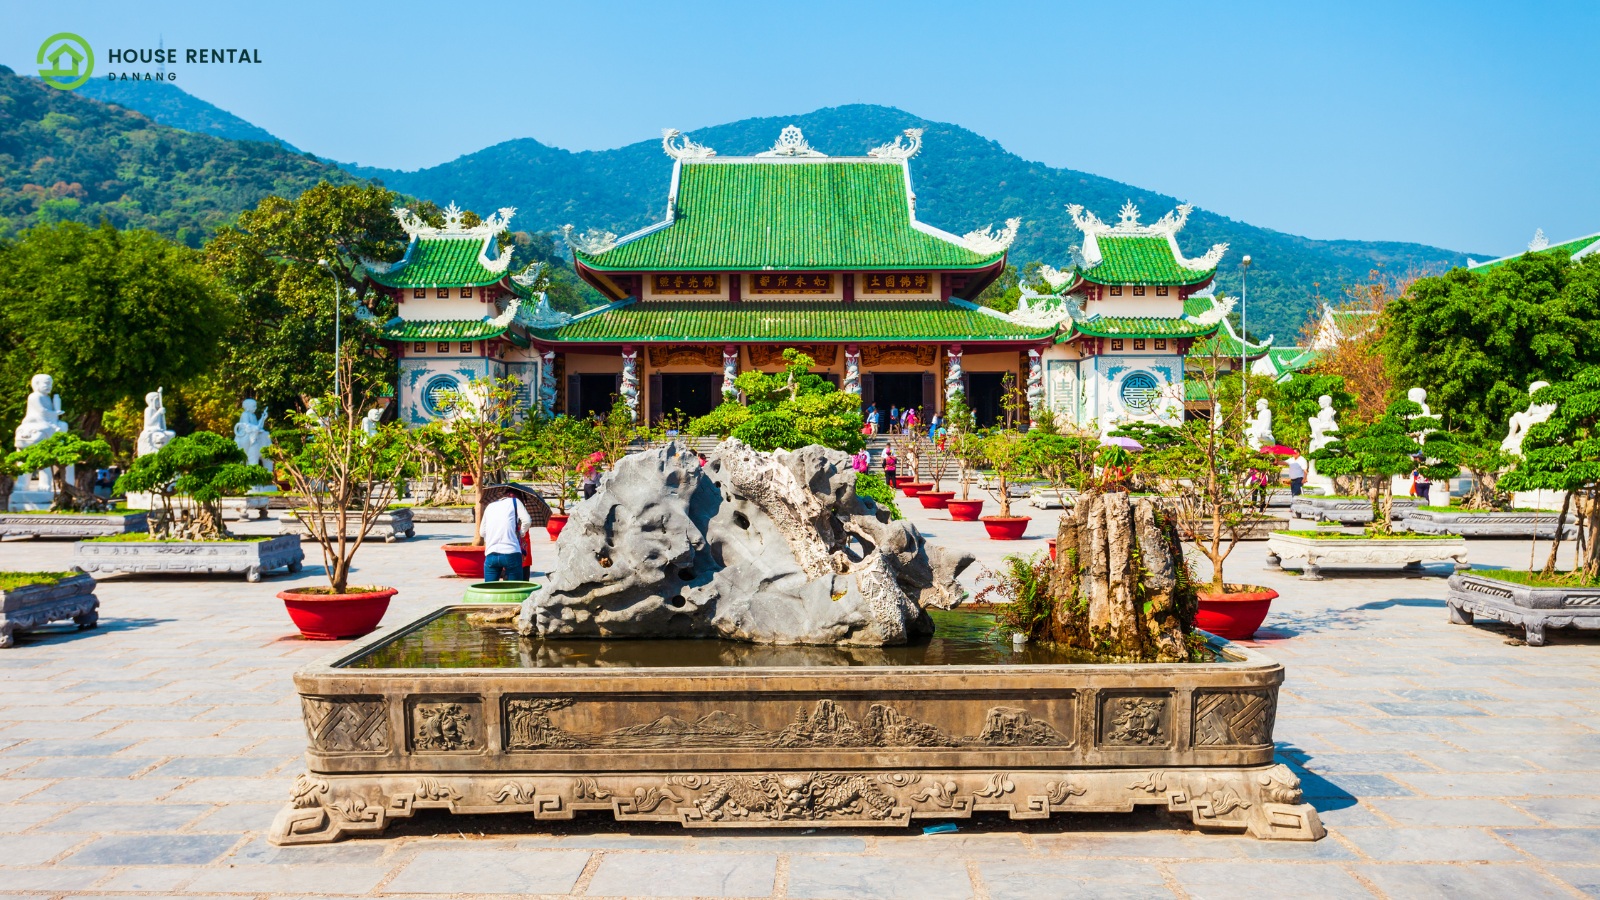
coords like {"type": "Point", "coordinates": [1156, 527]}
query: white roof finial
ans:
{"type": "Point", "coordinates": [1539, 242]}
{"type": "Point", "coordinates": [791, 142]}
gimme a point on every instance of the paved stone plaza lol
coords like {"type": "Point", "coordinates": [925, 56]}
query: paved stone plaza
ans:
{"type": "Point", "coordinates": [148, 757]}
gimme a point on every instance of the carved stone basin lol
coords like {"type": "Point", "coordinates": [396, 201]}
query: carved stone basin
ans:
{"type": "Point", "coordinates": [456, 711]}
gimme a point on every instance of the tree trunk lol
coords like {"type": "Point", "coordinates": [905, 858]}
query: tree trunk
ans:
{"type": "Point", "coordinates": [1555, 543]}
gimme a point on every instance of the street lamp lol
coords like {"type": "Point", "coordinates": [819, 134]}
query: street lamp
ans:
{"type": "Point", "coordinates": [338, 343]}
{"type": "Point", "coordinates": [1244, 341]}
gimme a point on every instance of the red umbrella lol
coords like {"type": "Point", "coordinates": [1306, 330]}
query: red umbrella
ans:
{"type": "Point", "coordinates": [1280, 450]}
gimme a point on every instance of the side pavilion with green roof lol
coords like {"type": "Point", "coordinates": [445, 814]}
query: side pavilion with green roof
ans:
{"type": "Point", "coordinates": [788, 248]}
{"type": "Point", "coordinates": [1130, 308]}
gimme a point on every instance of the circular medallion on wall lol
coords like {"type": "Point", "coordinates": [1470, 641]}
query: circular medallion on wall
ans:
{"type": "Point", "coordinates": [433, 394]}
{"type": "Point", "coordinates": [1140, 392]}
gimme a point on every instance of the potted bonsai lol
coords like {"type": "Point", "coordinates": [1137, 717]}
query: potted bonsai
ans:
{"type": "Point", "coordinates": [1007, 452]}
{"type": "Point", "coordinates": [478, 422]}
{"type": "Point", "coordinates": [556, 448]}
{"type": "Point", "coordinates": [965, 444]}
{"type": "Point", "coordinates": [1067, 462]}
{"type": "Point", "coordinates": [336, 468]}
{"type": "Point", "coordinates": [939, 456]}
{"type": "Point", "coordinates": [914, 447]}
{"type": "Point", "coordinates": [188, 478]}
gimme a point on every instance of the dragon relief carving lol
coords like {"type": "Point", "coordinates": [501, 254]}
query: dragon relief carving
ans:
{"type": "Point", "coordinates": [812, 796]}
{"type": "Point", "coordinates": [683, 148]}
{"type": "Point", "coordinates": [592, 242]}
{"type": "Point", "coordinates": [987, 240]}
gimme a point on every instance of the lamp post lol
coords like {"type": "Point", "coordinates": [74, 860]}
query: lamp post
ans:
{"type": "Point", "coordinates": [338, 343]}
{"type": "Point", "coordinates": [1244, 341]}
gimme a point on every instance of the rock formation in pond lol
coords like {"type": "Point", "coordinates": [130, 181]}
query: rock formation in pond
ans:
{"type": "Point", "coordinates": [771, 548]}
{"type": "Point", "coordinates": [1120, 587]}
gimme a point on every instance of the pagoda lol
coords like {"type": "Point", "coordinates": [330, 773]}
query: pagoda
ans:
{"type": "Point", "coordinates": [462, 313]}
{"type": "Point", "coordinates": [789, 248]}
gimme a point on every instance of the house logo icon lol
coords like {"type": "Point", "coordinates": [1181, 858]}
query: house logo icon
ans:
{"type": "Point", "coordinates": [65, 61]}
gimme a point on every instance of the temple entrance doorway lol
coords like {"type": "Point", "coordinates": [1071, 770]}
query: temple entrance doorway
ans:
{"type": "Point", "coordinates": [984, 390]}
{"type": "Point", "coordinates": [897, 389]}
{"type": "Point", "coordinates": [690, 393]}
{"type": "Point", "coordinates": [595, 394]}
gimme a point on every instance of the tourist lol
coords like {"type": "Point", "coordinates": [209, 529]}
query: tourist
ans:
{"type": "Point", "coordinates": [1257, 480]}
{"type": "Point", "coordinates": [862, 461]}
{"type": "Point", "coordinates": [1421, 484]}
{"type": "Point", "coordinates": [590, 470]}
{"type": "Point", "coordinates": [505, 521]}
{"type": "Point", "coordinates": [894, 419]}
{"type": "Point", "coordinates": [1297, 474]}
{"type": "Point", "coordinates": [872, 419]}
{"type": "Point", "coordinates": [911, 421]}
{"type": "Point", "coordinates": [889, 465]}
{"type": "Point", "coordinates": [702, 457]}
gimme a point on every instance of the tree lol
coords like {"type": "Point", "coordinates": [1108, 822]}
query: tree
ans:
{"type": "Point", "coordinates": [56, 453]}
{"type": "Point", "coordinates": [204, 467]}
{"type": "Point", "coordinates": [788, 410]}
{"type": "Point", "coordinates": [1476, 342]}
{"type": "Point", "coordinates": [1007, 452]}
{"type": "Point", "coordinates": [556, 448]}
{"type": "Point", "coordinates": [479, 418]}
{"type": "Point", "coordinates": [1563, 454]}
{"type": "Point", "coordinates": [1358, 357]}
{"type": "Point", "coordinates": [1378, 451]}
{"type": "Point", "coordinates": [337, 466]}
{"type": "Point", "coordinates": [1485, 461]}
{"type": "Point", "coordinates": [1294, 402]}
{"type": "Point", "coordinates": [1064, 459]}
{"type": "Point", "coordinates": [110, 314]}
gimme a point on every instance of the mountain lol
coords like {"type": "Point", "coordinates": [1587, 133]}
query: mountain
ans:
{"type": "Point", "coordinates": [66, 156]}
{"type": "Point", "coordinates": [166, 104]}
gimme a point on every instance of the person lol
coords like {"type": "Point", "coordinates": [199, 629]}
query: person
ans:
{"type": "Point", "coordinates": [889, 465]}
{"type": "Point", "coordinates": [911, 421]}
{"type": "Point", "coordinates": [862, 461]}
{"type": "Point", "coordinates": [1257, 480]}
{"type": "Point", "coordinates": [872, 419]}
{"type": "Point", "coordinates": [894, 419]}
{"type": "Point", "coordinates": [701, 456]}
{"type": "Point", "coordinates": [1297, 475]}
{"type": "Point", "coordinates": [1421, 484]}
{"type": "Point", "coordinates": [940, 436]}
{"type": "Point", "coordinates": [590, 470]}
{"type": "Point", "coordinates": [505, 521]}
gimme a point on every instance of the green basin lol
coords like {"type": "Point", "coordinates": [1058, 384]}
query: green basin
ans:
{"type": "Point", "coordinates": [499, 591]}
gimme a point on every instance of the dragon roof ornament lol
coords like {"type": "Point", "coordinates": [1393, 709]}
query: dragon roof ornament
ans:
{"type": "Point", "coordinates": [895, 149]}
{"type": "Point", "coordinates": [504, 319]}
{"type": "Point", "coordinates": [987, 240]}
{"type": "Point", "coordinates": [591, 242]}
{"type": "Point", "coordinates": [1043, 310]}
{"type": "Point", "coordinates": [684, 148]}
{"type": "Point", "coordinates": [1128, 225]}
{"type": "Point", "coordinates": [791, 142]}
{"type": "Point", "coordinates": [1054, 277]}
{"type": "Point", "coordinates": [542, 316]}
{"type": "Point", "coordinates": [1219, 310]}
{"type": "Point", "coordinates": [417, 227]}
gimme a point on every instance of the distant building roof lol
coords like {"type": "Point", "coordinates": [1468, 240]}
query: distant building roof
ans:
{"type": "Point", "coordinates": [452, 256]}
{"type": "Point", "coordinates": [1131, 253]}
{"type": "Point", "coordinates": [1574, 249]}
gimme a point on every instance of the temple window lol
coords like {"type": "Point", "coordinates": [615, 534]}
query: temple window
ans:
{"type": "Point", "coordinates": [1116, 343]}
{"type": "Point", "coordinates": [444, 347]}
{"type": "Point", "coordinates": [1161, 343]}
{"type": "Point", "coordinates": [1138, 343]}
{"type": "Point", "coordinates": [1116, 290]}
{"type": "Point", "coordinates": [442, 292]}
{"type": "Point", "coordinates": [419, 293]}
{"type": "Point", "coordinates": [1138, 290]}
{"type": "Point", "coordinates": [1162, 291]}
{"type": "Point", "coordinates": [466, 292]}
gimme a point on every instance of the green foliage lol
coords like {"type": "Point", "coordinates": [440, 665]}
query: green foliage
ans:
{"type": "Point", "coordinates": [788, 410]}
{"type": "Point", "coordinates": [1024, 584]}
{"type": "Point", "coordinates": [10, 581]}
{"type": "Point", "coordinates": [1066, 461]}
{"type": "Point", "coordinates": [202, 466]}
{"type": "Point", "coordinates": [1485, 461]}
{"type": "Point", "coordinates": [555, 448]}
{"type": "Point", "coordinates": [874, 488]}
{"type": "Point", "coordinates": [1008, 454]}
{"type": "Point", "coordinates": [110, 314]}
{"type": "Point", "coordinates": [720, 422]}
{"type": "Point", "coordinates": [1375, 452]}
{"type": "Point", "coordinates": [1563, 454]}
{"type": "Point", "coordinates": [56, 453]}
{"type": "Point", "coordinates": [1476, 342]}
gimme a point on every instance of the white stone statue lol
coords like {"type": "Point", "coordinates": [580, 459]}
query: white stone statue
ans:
{"type": "Point", "coordinates": [1419, 396]}
{"type": "Point", "coordinates": [1522, 421]}
{"type": "Point", "coordinates": [1324, 425]}
{"type": "Point", "coordinates": [40, 420]}
{"type": "Point", "coordinates": [1258, 430]}
{"type": "Point", "coordinates": [156, 433]}
{"type": "Point", "coordinates": [251, 435]}
{"type": "Point", "coordinates": [369, 422]}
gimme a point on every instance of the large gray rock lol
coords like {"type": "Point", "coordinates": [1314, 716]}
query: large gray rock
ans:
{"type": "Point", "coordinates": [771, 548]}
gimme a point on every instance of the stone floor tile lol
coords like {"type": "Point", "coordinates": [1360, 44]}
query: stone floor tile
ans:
{"type": "Point", "coordinates": [625, 874]}
{"type": "Point", "coordinates": [877, 878]}
{"type": "Point", "coordinates": [1431, 725]}
{"type": "Point", "coordinates": [1050, 879]}
{"type": "Point", "coordinates": [149, 878]}
{"type": "Point", "coordinates": [1316, 785]}
{"type": "Point", "coordinates": [1222, 880]}
{"type": "Point", "coordinates": [320, 880]}
{"type": "Point", "coordinates": [188, 746]}
{"type": "Point", "coordinates": [1581, 811]}
{"type": "Point", "coordinates": [1437, 694]}
{"type": "Point", "coordinates": [11, 789]}
{"type": "Point", "coordinates": [1585, 878]}
{"type": "Point", "coordinates": [237, 818]}
{"type": "Point", "coordinates": [608, 842]}
{"type": "Point", "coordinates": [1343, 813]}
{"type": "Point", "coordinates": [1567, 845]}
{"type": "Point", "coordinates": [1431, 708]}
{"type": "Point", "coordinates": [90, 766]}
{"type": "Point", "coordinates": [756, 843]}
{"type": "Point", "coordinates": [52, 879]}
{"type": "Point", "coordinates": [1428, 844]}
{"type": "Point", "coordinates": [962, 845]}
{"type": "Point", "coordinates": [1148, 845]}
{"type": "Point", "coordinates": [208, 766]}
{"type": "Point", "coordinates": [1351, 763]}
{"type": "Point", "coordinates": [1426, 812]}
{"type": "Point", "coordinates": [1448, 882]}
{"type": "Point", "coordinates": [1325, 850]}
{"type": "Point", "coordinates": [153, 850]}
{"type": "Point", "coordinates": [106, 790]}
{"type": "Point", "coordinates": [47, 748]}
{"type": "Point", "coordinates": [262, 852]}
{"type": "Point", "coordinates": [126, 818]}
{"type": "Point", "coordinates": [34, 849]}
{"type": "Point", "coordinates": [1509, 785]}
{"type": "Point", "coordinates": [23, 816]}
{"type": "Point", "coordinates": [233, 790]}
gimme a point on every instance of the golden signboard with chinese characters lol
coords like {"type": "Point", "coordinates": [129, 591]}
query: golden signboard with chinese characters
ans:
{"type": "Point", "coordinates": [791, 283]}
{"type": "Point", "coordinates": [896, 283]}
{"type": "Point", "coordinates": [686, 283]}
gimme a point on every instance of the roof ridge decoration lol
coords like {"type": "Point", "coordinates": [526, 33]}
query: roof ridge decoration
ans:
{"type": "Point", "coordinates": [1054, 277]}
{"type": "Point", "coordinates": [1128, 225]}
{"type": "Point", "coordinates": [1539, 242]}
{"type": "Point", "coordinates": [504, 319]}
{"type": "Point", "coordinates": [590, 242]}
{"type": "Point", "coordinates": [417, 227]}
{"type": "Point", "coordinates": [896, 150]}
{"type": "Point", "coordinates": [792, 142]}
{"type": "Point", "coordinates": [685, 148]}
{"type": "Point", "coordinates": [1216, 314]}
{"type": "Point", "coordinates": [987, 240]}
{"type": "Point", "coordinates": [1044, 310]}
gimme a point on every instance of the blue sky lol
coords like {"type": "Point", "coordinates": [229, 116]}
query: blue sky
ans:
{"type": "Point", "coordinates": [1465, 125]}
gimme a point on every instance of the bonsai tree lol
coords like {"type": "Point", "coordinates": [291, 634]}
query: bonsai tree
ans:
{"type": "Point", "coordinates": [1485, 461]}
{"type": "Point", "coordinates": [787, 410]}
{"type": "Point", "coordinates": [1065, 460]}
{"type": "Point", "coordinates": [963, 441]}
{"type": "Point", "coordinates": [336, 467]}
{"type": "Point", "coordinates": [203, 466]}
{"type": "Point", "coordinates": [479, 418]}
{"type": "Point", "coordinates": [1007, 451]}
{"type": "Point", "coordinates": [438, 458]}
{"type": "Point", "coordinates": [57, 453]}
{"type": "Point", "coordinates": [1563, 454]}
{"type": "Point", "coordinates": [556, 449]}
{"type": "Point", "coordinates": [1378, 451]}
{"type": "Point", "coordinates": [618, 431]}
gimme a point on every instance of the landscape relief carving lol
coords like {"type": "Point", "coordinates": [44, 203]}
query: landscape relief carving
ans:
{"type": "Point", "coordinates": [686, 355]}
{"type": "Point", "coordinates": [824, 724]}
{"type": "Point", "coordinates": [898, 355]}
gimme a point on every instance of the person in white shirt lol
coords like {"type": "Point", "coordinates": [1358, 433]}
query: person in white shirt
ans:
{"type": "Point", "coordinates": [1297, 475]}
{"type": "Point", "coordinates": [505, 521]}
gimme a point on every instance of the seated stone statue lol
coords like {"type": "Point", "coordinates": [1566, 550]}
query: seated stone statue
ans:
{"type": "Point", "coordinates": [251, 435]}
{"type": "Point", "coordinates": [1258, 430]}
{"type": "Point", "coordinates": [1324, 425]}
{"type": "Point", "coordinates": [1522, 421]}
{"type": "Point", "coordinates": [155, 434]}
{"type": "Point", "coordinates": [41, 419]}
{"type": "Point", "coordinates": [369, 422]}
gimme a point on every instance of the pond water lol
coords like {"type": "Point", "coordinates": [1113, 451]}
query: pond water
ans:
{"type": "Point", "coordinates": [484, 638]}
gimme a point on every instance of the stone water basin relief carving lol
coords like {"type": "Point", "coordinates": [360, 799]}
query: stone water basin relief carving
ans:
{"type": "Point", "coordinates": [531, 725]}
{"type": "Point", "coordinates": [346, 726]}
{"type": "Point", "coordinates": [1233, 718]}
{"type": "Point", "coordinates": [1135, 721]}
{"type": "Point", "coordinates": [448, 725]}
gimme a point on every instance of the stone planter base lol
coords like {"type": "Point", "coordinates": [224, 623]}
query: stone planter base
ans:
{"type": "Point", "coordinates": [1472, 594]}
{"type": "Point", "coordinates": [72, 525]}
{"type": "Point", "coordinates": [35, 605]}
{"type": "Point", "coordinates": [454, 514]}
{"type": "Point", "coordinates": [1347, 512]}
{"type": "Point", "coordinates": [1490, 524]}
{"type": "Point", "coordinates": [253, 506]}
{"type": "Point", "coordinates": [392, 525]}
{"type": "Point", "coordinates": [251, 559]}
{"type": "Point", "coordinates": [1256, 530]}
{"type": "Point", "coordinates": [1368, 553]}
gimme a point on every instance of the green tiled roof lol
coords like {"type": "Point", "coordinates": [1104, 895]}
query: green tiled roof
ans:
{"type": "Point", "coordinates": [1564, 249]}
{"type": "Point", "coordinates": [790, 215]}
{"type": "Point", "coordinates": [451, 330]}
{"type": "Point", "coordinates": [1141, 326]}
{"type": "Point", "coordinates": [792, 320]}
{"type": "Point", "coordinates": [1138, 259]}
{"type": "Point", "coordinates": [1195, 391]}
{"type": "Point", "coordinates": [1292, 359]}
{"type": "Point", "coordinates": [439, 262]}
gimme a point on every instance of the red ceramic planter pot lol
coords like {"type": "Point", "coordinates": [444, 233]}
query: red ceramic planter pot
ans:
{"type": "Point", "coordinates": [964, 510]}
{"type": "Point", "coordinates": [328, 617]}
{"type": "Point", "coordinates": [556, 523]}
{"type": "Point", "coordinates": [1051, 543]}
{"type": "Point", "coordinates": [466, 561]}
{"type": "Point", "coordinates": [1234, 615]}
{"type": "Point", "coordinates": [913, 488]}
{"type": "Point", "coordinates": [934, 499]}
{"type": "Point", "coordinates": [1006, 528]}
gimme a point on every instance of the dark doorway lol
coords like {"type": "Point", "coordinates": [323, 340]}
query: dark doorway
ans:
{"type": "Point", "coordinates": [692, 394]}
{"type": "Point", "coordinates": [595, 393]}
{"type": "Point", "coordinates": [897, 389]}
{"type": "Point", "coordinates": [984, 390]}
